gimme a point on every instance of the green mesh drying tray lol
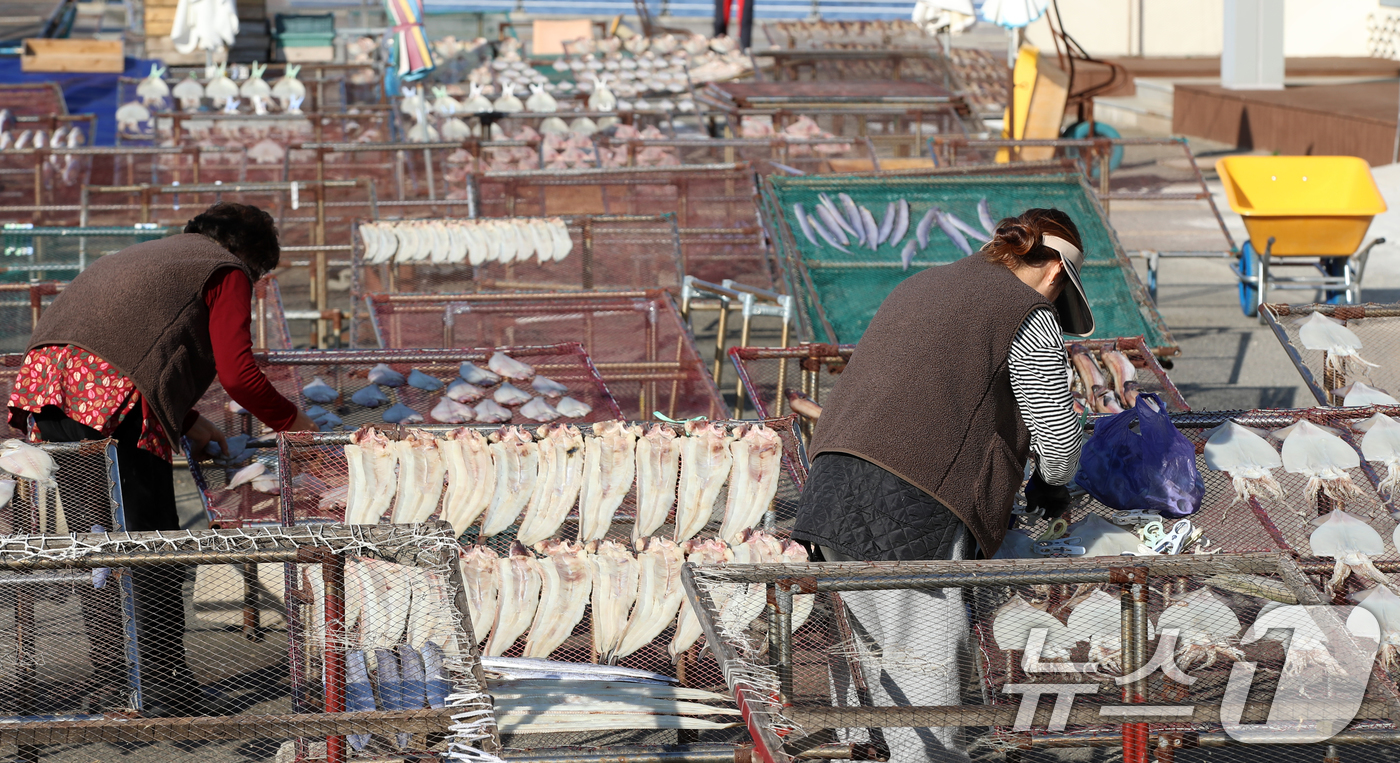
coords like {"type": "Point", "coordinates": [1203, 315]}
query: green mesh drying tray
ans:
{"type": "Point", "coordinates": [841, 292]}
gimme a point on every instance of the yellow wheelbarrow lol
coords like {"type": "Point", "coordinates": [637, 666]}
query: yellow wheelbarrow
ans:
{"type": "Point", "coordinates": [1311, 211]}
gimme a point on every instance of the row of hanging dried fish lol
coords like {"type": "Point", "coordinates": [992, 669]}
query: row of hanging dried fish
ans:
{"type": "Point", "coordinates": [635, 597]}
{"type": "Point", "coordinates": [503, 240]}
{"type": "Point", "coordinates": [534, 481]}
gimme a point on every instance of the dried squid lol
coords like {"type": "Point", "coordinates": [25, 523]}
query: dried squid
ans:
{"type": "Point", "coordinates": [482, 583]}
{"type": "Point", "coordinates": [757, 454]}
{"type": "Point", "coordinates": [1013, 630]}
{"type": "Point", "coordinates": [471, 477]}
{"type": "Point", "coordinates": [699, 553]}
{"type": "Point", "coordinates": [566, 582]}
{"type": "Point", "coordinates": [518, 599]}
{"type": "Point", "coordinates": [371, 459]}
{"type": "Point", "coordinates": [516, 458]}
{"type": "Point", "coordinates": [1385, 605]}
{"type": "Point", "coordinates": [1359, 395]}
{"type": "Point", "coordinates": [1328, 335]}
{"type": "Point", "coordinates": [658, 469]}
{"type": "Point", "coordinates": [1206, 628]}
{"type": "Point", "coordinates": [659, 594]}
{"type": "Point", "coordinates": [557, 488]}
{"type": "Point", "coordinates": [1323, 458]}
{"type": "Point", "coordinates": [1352, 543]}
{"type": "Point", "coordinates": [614, 591]}
{"type": "Point", "coordinates": [1097, 619]}
{"type": "Point", "coordinates": [1381, 443]}
{"type": "Point", "coordinates": [705, 465]}
{"type": "Point", "coordinates": [1247, 458]}
{"type": "Point", "coordinates": [420, 478]}
{"type": "Point", "coordinates": [609, 464]}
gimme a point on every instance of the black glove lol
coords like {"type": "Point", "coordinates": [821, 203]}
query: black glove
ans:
{"type": "Point", "coordinates": [1051, 500]}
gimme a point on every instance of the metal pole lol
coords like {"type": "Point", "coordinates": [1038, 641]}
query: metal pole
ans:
{"type": "Point", "coordinates": [333, 576]}
{"type": "Point", "coordinates": [1133, 583]}
{"type": "Point", "coordinates": [783, 604]}
{"type": "Point", "coordinates": [320, 264]}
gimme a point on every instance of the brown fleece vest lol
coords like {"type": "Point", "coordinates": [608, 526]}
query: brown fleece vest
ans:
{"type": "Point", "coordinates": [142, 310]}
{"type": "Point", "coordinates": [927, 394]}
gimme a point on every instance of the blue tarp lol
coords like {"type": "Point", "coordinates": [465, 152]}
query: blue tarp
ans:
{"type": "Point", "coordinates": [84, 93]}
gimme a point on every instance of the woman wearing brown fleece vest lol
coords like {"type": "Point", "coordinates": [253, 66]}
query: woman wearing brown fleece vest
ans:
{"type": "Point", "coordinates": [124, 352]}
{"type": "Point", "coordinates": [923, 443]}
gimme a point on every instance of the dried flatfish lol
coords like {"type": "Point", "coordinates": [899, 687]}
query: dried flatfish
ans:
{"type": "Point", "coordinates": [510, 368]}
{"type": "Point", "coordinates": [473, 374]}
{"type": "Point", "coordinates": [318, 391]}
{"type": "Point", "coordinates": [490, 412]}
{"type": "Point", "coordinates": [570, 408]}
{"type": "Point", "coordinates": [385, 376]}
{"type": "Point", "coordinates": [420, 380]}
{"type": "Point", "coordinates": [369, 397]}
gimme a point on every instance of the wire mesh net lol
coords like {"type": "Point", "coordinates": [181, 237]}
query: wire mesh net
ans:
{"type": "Point", "coordinates": [947, 660]}
{"type": "Point", "coordinates": [54, 253]}
{"type": "Point", "coordinates": [345, 373]}
{"type": "Point", "coordinates": [769, 373]}
{"type": "Point", "coordinates": [842, 291]}
{"type": "Point", "coordinates": [708, 201]}
{"type": "Point", "coordinates": [637, 339]}
{"type": "Point", "coordinates": [282, 642]}
{"type": "Point", "coordinates": [321, 482]}
{"type": "Point", "coordinates": [603, 251]}
{"type": "Point", "coordinates": [1353, 345]}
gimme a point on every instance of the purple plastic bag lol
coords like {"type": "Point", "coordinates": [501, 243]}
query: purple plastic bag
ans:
{"type": "Point", "coordinates": [1151, 469]}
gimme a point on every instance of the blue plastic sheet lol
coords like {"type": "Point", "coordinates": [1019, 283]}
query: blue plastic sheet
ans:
{"type": "Point", "coordinates": [84, 93]}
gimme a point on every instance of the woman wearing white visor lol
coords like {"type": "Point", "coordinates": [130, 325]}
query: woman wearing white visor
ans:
{"type": "Point", "coordinates": [922, 444]}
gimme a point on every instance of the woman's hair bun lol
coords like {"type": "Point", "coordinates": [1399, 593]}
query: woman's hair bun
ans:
{"type": "Point", "coordinates": [1017, 242]}
{"type": "Point", "coordinates": [1014, 237]}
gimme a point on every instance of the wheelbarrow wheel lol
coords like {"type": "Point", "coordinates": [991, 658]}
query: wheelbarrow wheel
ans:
{"type": "Point", "coordinates": [1248, 267]}
{"type": "Point", "coordinates": [1080, 130]}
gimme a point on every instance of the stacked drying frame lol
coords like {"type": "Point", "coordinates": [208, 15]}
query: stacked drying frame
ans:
{"type": "Point", "coordinates": [636, 339]}
{"type": "Point", "coordinates": [784, 679]}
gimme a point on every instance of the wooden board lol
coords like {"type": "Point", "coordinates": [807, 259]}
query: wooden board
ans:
{"type": "Point", "coordinates": [1045, 112]}
{"type": "Point", "coordinates": [551, 34]}
{"type": "Point", "coordinates": [159, 20]}
{"type": "Point", "coordinates": [46, 55]}
{"type": "Point", "coordinates": [574, 200]}
{"type": "Point", "coordinates": [841, 166]}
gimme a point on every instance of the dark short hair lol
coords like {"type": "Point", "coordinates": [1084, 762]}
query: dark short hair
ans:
{"type": "Point", "coordinates": [246, 231]}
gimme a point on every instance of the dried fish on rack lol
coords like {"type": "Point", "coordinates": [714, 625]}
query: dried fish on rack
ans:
{"type": "Point", "coordinates": [471, 477]}
{"type": "Point", "coordinates": [614, 592]}
{"type": "Point", "coordinates": [516, 459]}
{"type": "Point", "coordinates": [658, 470]}
{"type": "Point", "coordinates": [372, 480]}
{"type": "Point", "coordinates": [609, 465]}
{"type": "Point", "coordinates": [757, 453]}
{"type": "Point", "coordinates": [421, 471]}
{"type": "Point", "coordinates": [518, 599]}
{"type": "Point", "coordinates": [705, 465]}
{"type": "Point", "coordinates": [561, 456]}
{"type": "Point", "coordinates": [659, 594]}
{"type": "Point", "coordinates": [566, 582]}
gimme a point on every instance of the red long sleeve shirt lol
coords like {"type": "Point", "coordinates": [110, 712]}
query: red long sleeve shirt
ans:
{"type": "Point", "coordinates": [94, 393]}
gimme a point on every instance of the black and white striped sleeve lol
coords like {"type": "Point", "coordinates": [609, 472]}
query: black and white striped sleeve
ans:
{"type": "Point", "coordinates": [1040, 381]}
